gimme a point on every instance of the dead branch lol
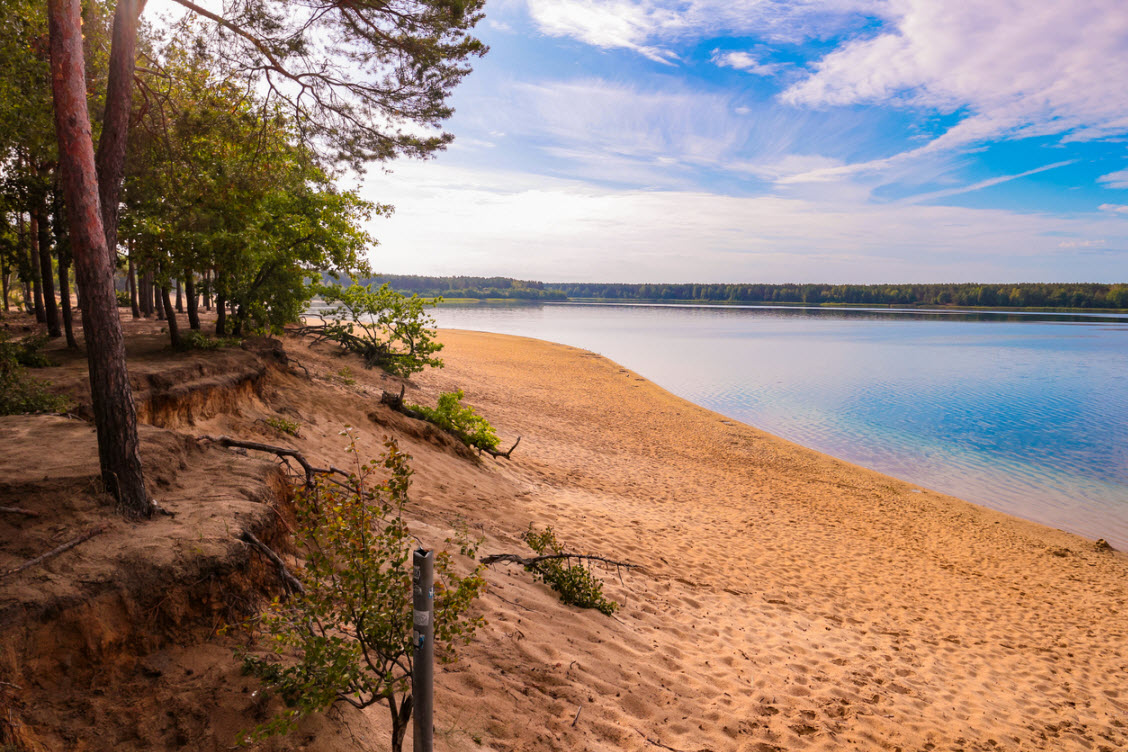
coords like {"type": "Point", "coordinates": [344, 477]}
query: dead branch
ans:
{"type": "Point", "coordinates": [292, 583]}
{"type": "Point", "coordinates": [283, 452]}
{"type": "Point", "coordinates": [495, 454]}
{"type": "Point", "coordinates": [20, 510]}
{"type": "Point", "coordinates": [532, 561]}
{"type": "Point", "coordinates": [55, 551]}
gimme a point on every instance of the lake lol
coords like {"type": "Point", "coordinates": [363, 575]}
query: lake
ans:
{"type": "Point", "coordinates": [1023, 413]}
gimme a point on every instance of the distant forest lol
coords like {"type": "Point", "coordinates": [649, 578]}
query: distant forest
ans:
{"type": "Point", "coordinates": [1019, 295]}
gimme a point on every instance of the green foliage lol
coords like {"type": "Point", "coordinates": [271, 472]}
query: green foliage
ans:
{"type": "Point", "coordinates": [575, 583]}
{"type": "Point", "coordinates": [388, 329]}
{"type": "Point", "coordinates": [194, 339]}
{"type": "Point", "coordinates": [345, 375]}
{"type": "Point", "coordinates": [348, 636]}
{"type": "Point", "coordinates": [216, 183]}
{"type": "Point", "coordinates": [19, 392]}
{"type": "Point", "coordinates": [123, 299]}
{"type": "Point", "coordinates": [282, 425]}
{"type": "Point", "coordinates": [461, 420]}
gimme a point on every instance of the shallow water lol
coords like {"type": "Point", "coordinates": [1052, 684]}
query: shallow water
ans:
{"type": "Point", "coordinates": [1023, 413]}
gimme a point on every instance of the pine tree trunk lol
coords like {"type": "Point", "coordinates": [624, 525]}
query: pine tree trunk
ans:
{"type": "Point", "coordinates": [115, 121]}
{"type": "Point", "coordinates": [173, 325]}
{"type": "Point", "coordinates": [115, 416]}
{"type": "Point", "coordinates": [158, 301]}
{"type": "Point", "coordinates": [32, 245]}
{"type": "Point", "coordinates": [147, 294]}
{"type": "Point", "coordinates": [4, 285]}
{"type": "Point", "coordinates": [133, 302]}
{"type": "Point", "coordinates": [64, 296]}
{"type": "Point", "coordinates": [220, 315]}
{"type": "Point", "coordinates": [193, 299]}
{"type": "Point", "coordinates": [62, 252]}
{"type": "Point", "coordinates": [179, 298]}
{"type": "Point", "coordinates": [208, 276]}
{"type": "Point", "coordinates": [42, 229]}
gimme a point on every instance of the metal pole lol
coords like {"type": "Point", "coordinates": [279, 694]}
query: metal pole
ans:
{"type": "Point", "coordinates": [423, 659]}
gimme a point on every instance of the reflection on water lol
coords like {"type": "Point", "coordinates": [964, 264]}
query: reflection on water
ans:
{"type": "Point", "coordinates": [1025, 413]}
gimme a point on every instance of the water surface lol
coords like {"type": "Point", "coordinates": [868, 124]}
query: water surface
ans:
{"type": "Point", "coordinates": [1024, 413]}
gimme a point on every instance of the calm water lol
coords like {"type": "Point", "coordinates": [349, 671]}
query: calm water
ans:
{"type": "Point", "coordinates": [1027, 414]}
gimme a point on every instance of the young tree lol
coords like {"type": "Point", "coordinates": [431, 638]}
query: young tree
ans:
{"type": "Point", "coordinates": [346, 635]}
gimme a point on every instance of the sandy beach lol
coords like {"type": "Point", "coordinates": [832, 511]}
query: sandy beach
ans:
{"type": "Point", "coordinates": [786, 600]}
{"type": "Point", "coordinates": [782, 599]}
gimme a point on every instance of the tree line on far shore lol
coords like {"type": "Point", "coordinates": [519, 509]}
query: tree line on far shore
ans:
{"type": "Point", "coordinates": [972, 294]}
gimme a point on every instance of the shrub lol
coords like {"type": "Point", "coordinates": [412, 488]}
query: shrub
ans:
{"type": "Point", "coordinates": [348, 636]}
{"type": "Point", "coordinates": [193, 339]}
{"type": "Point", "coordinates": [388, 329]}
{"type": "Point", "coordinates": [19, 392]}
{"type": "Point", "coordinates": [461, 420]}
{"type": "Point", "coordinates": [282, 425]}
{"type": "Point", "coordinates": [576, 585]}
{"type": "Point", "coordinates": [123, 298]}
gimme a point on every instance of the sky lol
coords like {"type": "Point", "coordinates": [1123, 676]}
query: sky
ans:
{"type": "Point", "coordinates": [766, 141]}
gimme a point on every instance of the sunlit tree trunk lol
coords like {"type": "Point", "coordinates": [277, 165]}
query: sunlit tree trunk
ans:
{"type": "Point", "coordinates": [115, 122]}
{"type": "Point", "coordinates": [115, 416]}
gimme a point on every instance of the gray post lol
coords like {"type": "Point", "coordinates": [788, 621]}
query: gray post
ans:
{"type": "Point", "coordinates": [423, 659]}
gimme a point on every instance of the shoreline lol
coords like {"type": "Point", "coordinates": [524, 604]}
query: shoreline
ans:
{"type": "Point", "coordinates": [1002, 493]}
{"type": "Point", "coordinates": [788, 598]}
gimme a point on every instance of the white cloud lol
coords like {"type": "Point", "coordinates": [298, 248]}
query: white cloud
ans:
{"type": "Point", "coordinates": [1019, 67]}
{"type": "Point", "coordinates": [1114, 208]}
{"type": "Point", "coordinates": [1118, 179]}
{"type": "Point", "coordinates": [646, 25]}
{"type": "Point", "coordinates": [746, 62]}
{"type": "Point", "coordinates": [450, 221]}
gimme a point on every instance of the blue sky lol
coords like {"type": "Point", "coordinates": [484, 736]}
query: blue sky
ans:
{"type": "Point", "coordinates": [721, 140]}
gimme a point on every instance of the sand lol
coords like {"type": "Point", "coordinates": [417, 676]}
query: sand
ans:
{"type": "Point", "coordinates": [787, 600]}
{"type": "Point", "coordinates": [783, 600]}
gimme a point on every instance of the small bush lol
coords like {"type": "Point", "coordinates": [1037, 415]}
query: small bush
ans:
{"type": "Point", "coordinates": [193, 339]}
{"type": "Point", "coordinates": [282, 425]}
{"type": "Point", "coordinates": [387, 328]}
{"type": "Point", "coordinates": [19, 392]}
{"type": "Point", "coordinates": [575, 583]}
{"type": "Point", "coordinates": [123, 299]}
{"type": "Point", "coordinates": [345, 376]}
{"type": "Point", "coordinates": [348, 636]}
{"type": "Point", "coordinates": [461, 420]}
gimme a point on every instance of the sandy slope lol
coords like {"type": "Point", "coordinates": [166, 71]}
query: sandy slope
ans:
{"type": "Point", "coordinates": [787, 601]}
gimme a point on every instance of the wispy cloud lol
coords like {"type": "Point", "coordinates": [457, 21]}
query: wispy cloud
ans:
{"type": "Point", "coordinates": [746, 62]}
{"type": "Point", "coordinates": [1118, 179]}
{"type": "Point", "coordinates": [648, 26]}
{"type": "Point", "coordinates": [933, 195]}
{"type": "Point", "coordinates": [1114, 208]}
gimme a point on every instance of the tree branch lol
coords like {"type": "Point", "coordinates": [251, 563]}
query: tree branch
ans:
{"type": "Point", "coordinates": [55, 551]}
